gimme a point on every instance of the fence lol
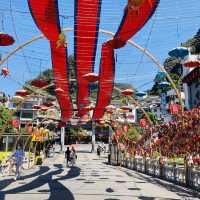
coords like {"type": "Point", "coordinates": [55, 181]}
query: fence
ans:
{"type": "Point", "coordinates": [189, 176]}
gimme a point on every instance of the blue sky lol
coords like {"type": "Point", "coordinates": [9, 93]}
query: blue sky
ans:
{"type": "Point", "coordinates": [174, 22]}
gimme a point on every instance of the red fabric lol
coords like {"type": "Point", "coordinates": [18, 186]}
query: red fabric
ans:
{"type": "Point", "coordinates": [87, 14]}
{"type": "Point", "coordinates": [105, 80]}
{"type": "Point", "coordinates": [45, 14]}
{"type": "Point", "coordinates": [133, 20]}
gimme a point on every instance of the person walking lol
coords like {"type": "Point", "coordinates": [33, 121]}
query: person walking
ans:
{"type": "Point", "coordinates": [73, 156]}
{"type": "Point", "coordinates": [67, 156]}
{"type": "Point", "coordinates": [99, 151]}
{"type": "Point", "coordinates": [19, 156]}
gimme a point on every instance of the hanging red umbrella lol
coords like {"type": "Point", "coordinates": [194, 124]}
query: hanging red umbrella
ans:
{"type": "Point", "coordinates": [4, 72]}
{"type": "Point", "coordinates": [37, 107]}
{"type": "Point", "coordinates": [191, 62]}
{"type": "Point", "coordinates": [91, 77]}
{"type": "Point", "coordinates": [44, 108]}
{"type": "Point", "coordinates": [22, 93]}
{"type": "Point", "coordinates": [127, 92]}
{"type": "Point", "coordinates": [110, 109]}
{"type": "Point", "coordinates": [48, 104]}
{"type": "Point", "coordinates": [6, 40]}
{"type": "Point", "coordinates": [39, 83]}
{"type": "Point", "coordinates": [126, 108]}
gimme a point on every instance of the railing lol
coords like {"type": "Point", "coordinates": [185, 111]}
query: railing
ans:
{"type": "Point", "coordinates": [189, 177]}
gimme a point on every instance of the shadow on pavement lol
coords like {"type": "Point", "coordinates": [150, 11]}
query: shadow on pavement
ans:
{"type": "Point", "coordinates": [6, 182]}
{"type": "Point", "coordinates": [56, 189]}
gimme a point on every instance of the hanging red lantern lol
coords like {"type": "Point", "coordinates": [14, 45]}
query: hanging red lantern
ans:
{"type": "Point", "coordinates": [39, 83]}
{"type": "Point", "coordinates": [91, 77]}
{"type": "Point", "coordinates": [4, 72]}
{"type": "Point", "coordinates": [22, 93]}
{"type": "Point", "coordinates": [119, 133]}
{"type": "Point", "coordinates": [6, 40]}
{"type": "Point", "coordinates": [15, 123]}
{"type": "Point", "coordinates": [174, 108]}
{"type": "Point", "coordinates": [143, 123]}
{"type": "Point", "coordinates": [125, 128]}
{"type": "Point", "coordinates": [30, 129]}
{"type": "Point", "coordinates": [127, 92]}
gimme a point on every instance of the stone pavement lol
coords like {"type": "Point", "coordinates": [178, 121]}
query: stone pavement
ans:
{"type": "Point", "coordinates": [90, 179]}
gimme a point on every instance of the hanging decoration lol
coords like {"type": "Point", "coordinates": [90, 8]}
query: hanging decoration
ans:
{"type": "Point", "coordinates": [4, 71]}
{"type": "Point", "coordinates": [136, 14]}
{"type": "Point", "coordinates": [86, 30]}
{"type": "Point", "coordinates": [6, 40]}
{"type": "Point", "coordinates": [39, 83]}
{"type": "Point", "coordinates": [91, 77]}
{"type": "Point", "coordinates": [46, 16]}
{"type": "Point", "coordinates": [127, 92]}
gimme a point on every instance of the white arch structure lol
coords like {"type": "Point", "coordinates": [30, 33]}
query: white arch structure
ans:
{"type": "Point", "coordinates": [131, 42]}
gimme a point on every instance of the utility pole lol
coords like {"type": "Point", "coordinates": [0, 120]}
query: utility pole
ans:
{"type": "Point", "coordinates": [93, 136]}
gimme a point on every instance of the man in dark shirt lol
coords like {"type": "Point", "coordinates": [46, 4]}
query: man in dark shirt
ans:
{"type": "Point", "coordinates": [67, 156]}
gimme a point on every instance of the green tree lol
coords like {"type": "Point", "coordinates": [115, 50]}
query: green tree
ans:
{"type": "Point", "coordinates": [5, 119]}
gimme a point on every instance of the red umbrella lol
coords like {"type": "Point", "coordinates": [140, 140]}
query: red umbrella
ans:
{"type": "Point", "coordinates": [190, 63]}
{"type": "Point", "coordinates": [48, 104]}
{"type": "Point", "coordinates": [127, 92]}
{"type": "Point", "coordinates": [39, 83]}
{"type": "Point", "coordinates": [22, 93]}
{"type": "Point", "coordinates": [6, 40]}
{"type": "Point", "coordinates": [91, 77]}
{"type": "Point", "coordinates": [37, 107]}
{"type": "Point", "coordinates": [44, 108]}
{"type": "Point", "coordinates": [126, 108]}
{"type": "Point", "coordinates": [4, 72]}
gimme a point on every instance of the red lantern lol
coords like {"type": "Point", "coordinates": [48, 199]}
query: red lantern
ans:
{"type": "Point", "coordinates": [174, 108]}
{"type": "Point", "coordinates": [30, 129]}
{"type": "Point", "coordinates": [39, 83]}
{"type": "Point", "coordinates": [15, 123]}
{"type": "Point", "coordinates": [119, 133]}
{"type": "Point", "coordinates": [91, 77]}
{"type": "Point", "coordinates": [127, 92]}
{"type": "Point", "coordinates": [125, 128]}
{"type": "Point", "coordinates": [22, 93]}
{"type": "Point", "coordinates": [6, 40]}
{"type": "Point", "coordinates": [143, 123]}
{"type": "Point", "coordinates": [4, 72]}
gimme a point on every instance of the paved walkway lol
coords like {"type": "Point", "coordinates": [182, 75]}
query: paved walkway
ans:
{"type": "Point", "coordinates": [90, 179]}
